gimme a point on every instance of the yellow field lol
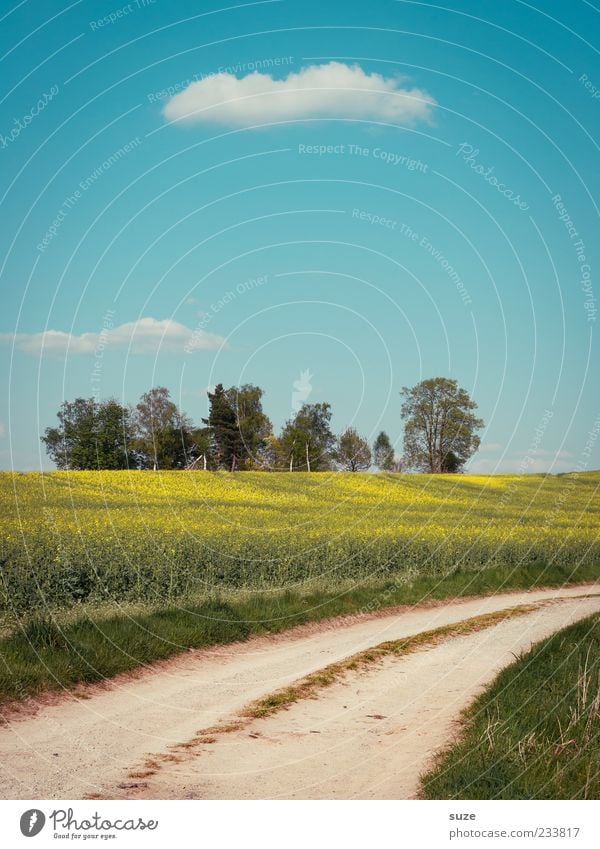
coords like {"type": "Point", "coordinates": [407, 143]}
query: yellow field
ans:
{"type": "Point", "coordinates": [70, 536]}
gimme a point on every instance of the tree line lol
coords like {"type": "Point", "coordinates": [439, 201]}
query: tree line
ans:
{"type": "Point", "coordinates": [439, 434]}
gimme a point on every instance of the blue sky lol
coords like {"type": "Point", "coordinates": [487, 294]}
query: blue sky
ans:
{"type": "Point", "coordinates": [373, 193]}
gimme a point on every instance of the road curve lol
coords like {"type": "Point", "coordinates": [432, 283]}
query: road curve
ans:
{"type": "Point", "coordinates": [375, 731]}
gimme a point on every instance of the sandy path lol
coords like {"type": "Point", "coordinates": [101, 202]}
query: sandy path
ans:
{"type": "Point", "coordinates": [87, 745]}
{"type": "Point", "coordinates": [369, 737]}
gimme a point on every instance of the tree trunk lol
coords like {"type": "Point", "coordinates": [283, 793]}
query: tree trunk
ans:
{"type": "Point", "coordinates": [204, 461]}
{"type": "Point", "coordinates": [292, 462]}
{"type": "Point", "coordinates": [307, 460]}
{"type": "Point", "coordinates": [233, 463]}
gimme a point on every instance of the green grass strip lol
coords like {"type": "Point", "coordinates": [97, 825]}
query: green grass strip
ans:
{"type": "Point", "coordinates": [535, 733]}
{"type": "Point", "coordinates": [64, 649]}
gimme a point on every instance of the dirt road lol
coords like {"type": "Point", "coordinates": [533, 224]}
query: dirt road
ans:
{"type": "Point", "coordinates": [367, 737]}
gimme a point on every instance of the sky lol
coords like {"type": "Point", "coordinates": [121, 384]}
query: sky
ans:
{"type": "Point", "coordinates": [330, 200]}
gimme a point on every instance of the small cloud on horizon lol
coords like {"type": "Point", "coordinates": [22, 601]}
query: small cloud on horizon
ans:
{"type": "Point", "coordinates": [537, 462]}
{"type": "Point", "coordinates": [490, 446]}
{"type": "Point", "coordinates": [146, 335]}
{"type": "Point", "coordinates": [332, 90]}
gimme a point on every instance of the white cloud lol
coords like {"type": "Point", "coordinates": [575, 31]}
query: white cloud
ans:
{"type": "Point", "coordinates": [536, 462]}
{"type": "Point", "coordinates": [549, 465]}
{"type": "Point", "coordinates": [558, 455]}
{"type": "Point", "coordinates": [481, 466]}
{"type": "Point", "coordinates": [146, 335]}
{"type": "Point", "coordinates": [333, 90]}
{"type": "Point", "coordinates": [495, 447]}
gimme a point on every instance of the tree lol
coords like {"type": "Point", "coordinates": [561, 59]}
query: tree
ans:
{"type": "Point", "coordinates": [253, 424]}
{"type": "Point", "coordinates": [227, 445]}
{"type": "Point", "coordinates": [91, 435]}
{"type": "Point", "coordinates": [307, 441]}
{"type": "Point", "coordinates": [164, 435]}
{"type": "Point", "coordinates": [199, 454]}
{"type": "Point", "coordinates": [383, 453]}
{"type": "Point", "coordinates": [352, 451]}
{"type": "Point", "coordinates": [274, 455]}
{"type": "Point", "coordinates": [115, 436]}
{"type": "Point", "coordinates": [451, 463]}
{"type": "Point", "coordinates": [440, 430]}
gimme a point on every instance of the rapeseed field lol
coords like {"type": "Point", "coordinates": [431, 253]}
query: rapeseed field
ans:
{"type": "Point", "coordinates": [149, 536]}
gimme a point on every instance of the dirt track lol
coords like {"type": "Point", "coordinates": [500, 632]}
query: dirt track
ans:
{"type": "Point", "coordinates": [368, 737]}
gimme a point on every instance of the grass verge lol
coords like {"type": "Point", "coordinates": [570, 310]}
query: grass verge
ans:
{"type": "Point", "coordinates": [62, 649]}
{"type": "Point", "coordinates": [535, 733]}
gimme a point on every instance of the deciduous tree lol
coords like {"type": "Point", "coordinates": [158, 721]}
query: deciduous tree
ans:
{"type": "Point", "coordinates": [163, 432]}
{"type": "Point", "coordinates": [253, 424]}
{"type": "Point", "coordinates": [307, 440]}
{"type": "Point", "coordinates": [352, 452]}
{"type": "Point", "coordinates": [440, 426]}
{"type": "Point", "coordinates": [91, 435]}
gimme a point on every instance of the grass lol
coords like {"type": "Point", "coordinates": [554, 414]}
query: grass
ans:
{"type": "Point", "coordinates": [535, 733]}
{"type": "Point", "coordinates": [58, 651]}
